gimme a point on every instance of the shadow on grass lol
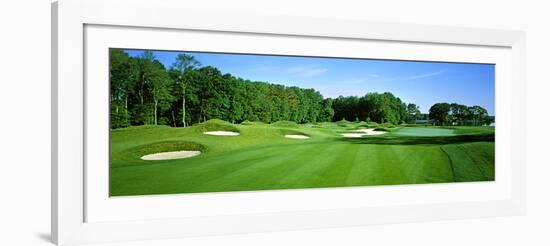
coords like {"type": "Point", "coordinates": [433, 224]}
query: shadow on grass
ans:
{"type": "Point", "coordinates": [412, 140]}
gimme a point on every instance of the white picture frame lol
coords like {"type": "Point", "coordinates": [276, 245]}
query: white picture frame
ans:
{"type": "Point", "coordinates": [75, 198]}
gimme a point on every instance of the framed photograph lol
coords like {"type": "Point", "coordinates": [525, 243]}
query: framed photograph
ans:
{"type": "Point", "coordinates": [171, 125]}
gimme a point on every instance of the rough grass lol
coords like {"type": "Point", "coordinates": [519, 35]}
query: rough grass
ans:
{"type": "Point", "coordinates": [284, 123]}
{"type": "Point", "coordinates": [344, 123]}
{"type": "Point", "coordinates": [472, 129]}
{"type": "Point", "coordinates": [472, 161]}
{"type": "Point", "coordinates": [252, 123]}
{"type": "Point", "coordinates": [216, 125]}
{"type": "Point", "coordinates": [132, 156]}
{"type": "Point", "coordinates": [292, 132]}
{"type": "Point", "coordinates": [261, 158]}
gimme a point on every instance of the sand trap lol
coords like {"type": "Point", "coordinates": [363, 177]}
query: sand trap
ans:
{"type": "Point", "coordinates": [171, 155]}
{"type": "Point", "coordinates": [353, 135]}
{"type": "Point", "coordinates": [362, 132]}
{"type": "Point", "coordinates": [371, 131]}
{"type": "Point", "coordinates": [296, 136]}
{"type": "Point", "coordinates": [222, 133]}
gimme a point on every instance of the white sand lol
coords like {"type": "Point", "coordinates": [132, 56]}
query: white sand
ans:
{"type": "Point", "coordinates": [353, 135]}
{"type": "Point", "coordinates": [222, 133]}
{"type": "Point", "coordinates": [296, 136]}
{"type": "Point", "coordinates": [363, 132]}
{"type": "Point", "coordinates": [171, 155]}
{"type": "Point", "coordinates": [371, 131]}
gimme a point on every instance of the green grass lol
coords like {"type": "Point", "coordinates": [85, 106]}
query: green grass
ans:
{"type": "Point", "coordinates": [425, 132]}
{"type": "Point", "coordinates": [472, 160]}
{"type": "Point", "coordinates": [216, 125]}
{"type": "Point", "coordinates": [246, 122]}
{"type": "Point", "coordinates": [344, 123]}
{"type": "Point", "coordinates": [284, 123]}
{"type": "Point", "coordinates": [261, 158]}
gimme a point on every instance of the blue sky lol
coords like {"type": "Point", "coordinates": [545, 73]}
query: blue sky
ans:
{"type": "Point", "coordinates": [423, 83]}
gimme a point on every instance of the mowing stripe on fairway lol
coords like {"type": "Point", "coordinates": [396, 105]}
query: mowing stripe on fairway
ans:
{"type": "Point", "coordinates": [262, 158]}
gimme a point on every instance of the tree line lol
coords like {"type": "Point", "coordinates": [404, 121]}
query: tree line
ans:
{"type": "Point", "coordinates": [458, 114]}
{"type": "Point", "coordinates": [145, 92]}
{"type": "Point", "coordinates": [376, 107]}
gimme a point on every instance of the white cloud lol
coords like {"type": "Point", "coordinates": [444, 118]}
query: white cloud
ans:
{"type": "Point", "coordinates": [366, 78]}
{"type": "Point", "coordinates": [414, 76]}
{"type": "Point", "coordinates": [358, 81]}
{"type": "Point", "coordinates": [423, 75]}
{"type": "Point", "coordinates": [264, 68]}
{"type": "Point", "coordinates": [306, 71]}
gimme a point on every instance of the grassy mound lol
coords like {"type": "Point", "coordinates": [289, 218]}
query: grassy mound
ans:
{"type": "Point", "coordinates": [292, 132]}
{"type": "Point", "coordinates": [361, 125]}
{"type": "Point", "coordinates": [158, 147]}
{"type": "Point", "coordinates": [285, 123]}
{"type": "Point", "coordinates": [325, 124]}
{"type": "Point", "coordinates": [216, 125]}
{"type": "Point", "coordinates": [343, 123]}
{"type": "Point", "coordinates": [252, 123]}
{"type": "Point", "coordinates": [387, 127]}
{"type": "Point", "coordinates": [372, 124]}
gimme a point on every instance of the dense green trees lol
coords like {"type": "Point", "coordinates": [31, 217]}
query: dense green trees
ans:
{"type": "Point", "coordinates": [123, 77]}
{"type": "Point", "coordinates": [377, 107]}
{"type": "Point", "coordinates": [183, 64]}
{"type": "Point", "coordinates": [143, 91]}
{"type": "Point", "coordinates": [439, 113]}
{"type": "Point", "coordinates": [413, 113]}
{"type": "Point", "coordinates": [458, 114]}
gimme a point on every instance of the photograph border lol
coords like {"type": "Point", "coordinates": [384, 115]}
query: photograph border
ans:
{"type": "Point", "coordinates": [100, 208]}
{"type": "Point", "coordinates": [68, 133]}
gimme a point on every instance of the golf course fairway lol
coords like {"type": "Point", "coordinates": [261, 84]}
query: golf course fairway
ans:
{"type": "Point", "coordinates": [260, 157]}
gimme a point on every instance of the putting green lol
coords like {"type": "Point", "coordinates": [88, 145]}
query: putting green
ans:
{"type": "Point", "coordinates": [425, 132]}
{"type": "Point", "coordinates": [262, 158]}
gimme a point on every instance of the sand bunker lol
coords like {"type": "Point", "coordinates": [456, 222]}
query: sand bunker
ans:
{"type": "Point", "coordinates": [353, 135]}
{"type": "Point", "coordinates": [371, 131]}
{"type": "Point", "coordinates": [296, 136]}
{"type": "Point", "coordinates": [222, 133]}
{"type": "Point", "coordinates": [171, 155]}
{"type": "Point", "coordinates": [362, 132]}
